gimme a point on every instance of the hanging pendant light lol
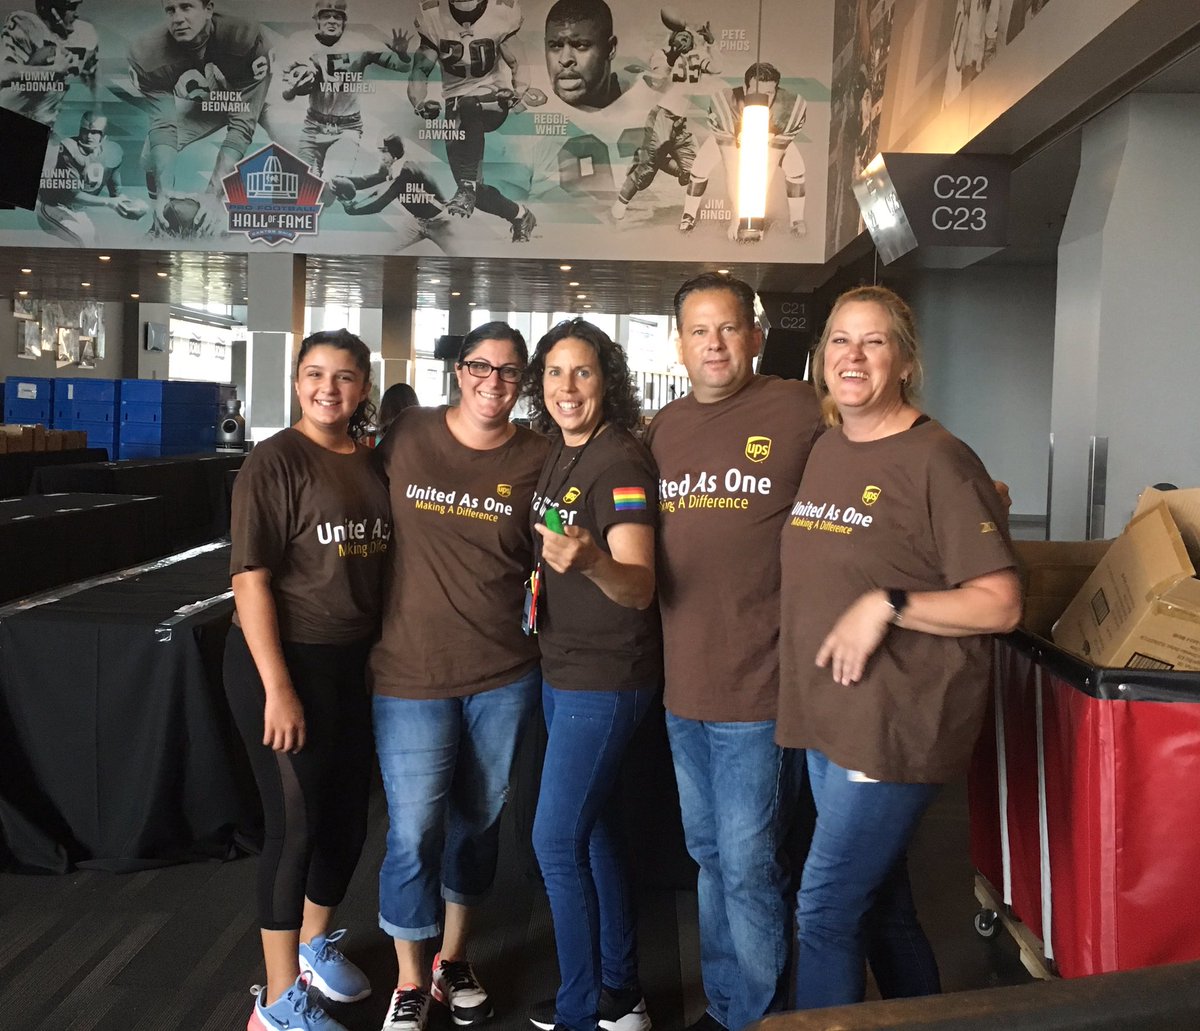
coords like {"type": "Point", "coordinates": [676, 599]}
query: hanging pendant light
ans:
{"type": "Point", "coordinates": [753, 148]}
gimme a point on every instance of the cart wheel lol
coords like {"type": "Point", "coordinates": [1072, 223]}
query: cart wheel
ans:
{"type": "Point", "coordinates": [987, 923]}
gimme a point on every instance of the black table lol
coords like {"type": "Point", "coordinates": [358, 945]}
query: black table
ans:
{"type": "Point", "coordinates": [117, 750]}
{"type": "Point", "coordinates": [193, 487]}
{"type": "Point", "coordinates": [53, 539]}
{"type": "Point", "coordinates": [16, 470]}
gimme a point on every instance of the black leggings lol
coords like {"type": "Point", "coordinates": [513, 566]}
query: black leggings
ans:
{"type": "Point", "coordinates": [314, 802]}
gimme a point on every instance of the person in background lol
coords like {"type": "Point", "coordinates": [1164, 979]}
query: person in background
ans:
{"type": "Point", "coordinates": [395, 400]}
{"type": "Point", "coordinates": [311, 531]}
{"type": "Point", "coordinates": [884, 670]}
{"type": "Point", "coordinates": [601, 663]}
{"type": "Point", "coordinates": [455, 681]}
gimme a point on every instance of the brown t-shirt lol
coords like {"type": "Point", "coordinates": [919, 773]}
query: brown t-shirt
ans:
{"type": "Point", "coordinates": [319, 521]}
{"type": "Point", "coordinates": [915, 511]}
{"type": "Point", "coordinates": [728, 472]}
{"type": "Point", "coordinates": [588, 641]}
{"type": "Point", "coordinates": [452, 615]}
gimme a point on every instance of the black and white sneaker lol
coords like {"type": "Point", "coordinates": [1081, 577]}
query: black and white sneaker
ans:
{"type": "Point", "coordinates": [456, 987]}
{"type": "Point", "coordinates": [408, 1010]}
{"type": "Point", "coordinates": [523, 226]}
{"type": "Point", "coordinates": [620, 1009]}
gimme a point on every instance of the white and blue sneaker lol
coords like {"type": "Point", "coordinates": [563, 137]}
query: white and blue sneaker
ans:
{"type": "Point", "coordinates": [331, 973]}
{"type": "Point", "coordinates": [292, 1011]}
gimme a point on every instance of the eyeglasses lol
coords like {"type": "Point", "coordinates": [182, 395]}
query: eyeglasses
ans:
{"type": "Point", "coordinates": [480, 369]}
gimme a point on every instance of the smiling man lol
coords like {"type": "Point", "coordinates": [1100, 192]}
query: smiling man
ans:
{"type": "Point", "coordinates": [580, 46]}
{"type": "Point", "coordinates": [729, 455]}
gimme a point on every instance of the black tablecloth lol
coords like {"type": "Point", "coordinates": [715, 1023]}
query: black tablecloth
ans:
{"type": "Point", "coordinates": [117, 749]}
{"type": "Point", "coordinates": [16, 471]}
{"type": "Point", "coordinates": [54, 539]}
{"type": "Point", "coordinates": [193, 487]}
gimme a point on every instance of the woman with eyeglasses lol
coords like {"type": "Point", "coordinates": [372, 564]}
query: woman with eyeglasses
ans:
{"type": "Point", "coordinates": [594, 512]}
{"type": "Point", "coordinates": [454, 678]}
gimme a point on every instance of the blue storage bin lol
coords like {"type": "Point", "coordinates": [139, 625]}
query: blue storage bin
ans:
{"type": "Point", "coordinates": [89, 390]}
{"type": "Point", "coordinates": [126, 450]}
{"type": "Point", "coordinates": [28, 388]}
{"type": "Point", "coordinates": [27, 411]}
{"type": "Point", "coordinates": [99, 434]}
{"type": "Point", "coordinates": [168, 391]}
{"type": "Point", "coordinates": [199, 436]}
{"type": "Point", "coordinates": [168, 414]}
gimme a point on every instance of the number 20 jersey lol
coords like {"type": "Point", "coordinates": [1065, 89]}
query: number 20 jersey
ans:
{"type": "Point", "coordinates": [469, 55]}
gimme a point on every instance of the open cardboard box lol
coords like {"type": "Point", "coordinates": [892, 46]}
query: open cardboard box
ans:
{"type": "Point", "coordinates": [1051, 574]}
{"type": "Point", "coordinates": [1140, 607]}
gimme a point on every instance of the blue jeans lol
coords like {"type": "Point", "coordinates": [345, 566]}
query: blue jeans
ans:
{"type": "Point", "coordinates": [855, 902]}
{"type": "Point", "coordinates": [736, 789]}
{"type": "Point", "coordinates": [445, 764]}
{"type": "Point", "coordinates": [580, 844]}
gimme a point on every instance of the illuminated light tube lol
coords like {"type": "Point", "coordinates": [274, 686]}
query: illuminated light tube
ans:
{"type": "Point", "coordinates": [752, 165]}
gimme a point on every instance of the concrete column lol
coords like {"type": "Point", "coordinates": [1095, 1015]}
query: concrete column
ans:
{"type": "Point", "coordinates": [275, 324]}
{"type": "Point", "coordinates": [397, 337]}
{"type": "Point", "coordinates": [1125, 365]}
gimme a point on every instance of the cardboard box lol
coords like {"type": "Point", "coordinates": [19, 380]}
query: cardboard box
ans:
{"type": "Point", "coordinates": [18, 438]}
{"type": "Point", "coordinates": [74, 439]}
{"type": "Point", "coordinates": [1184, 506]}
{"type": "Point", "coordinates": [54, 440]}
{"type": "Point", "coordinates": [1052, 572]}
{"type": "Point", "coordinates": [1140, 607]}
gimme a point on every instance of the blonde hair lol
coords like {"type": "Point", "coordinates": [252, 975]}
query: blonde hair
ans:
{"type": "Point", "coordinates": [903, 332]}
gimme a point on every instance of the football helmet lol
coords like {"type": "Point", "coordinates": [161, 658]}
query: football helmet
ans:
{"type": "Point", "coordinates": [59, 15]}
{"type": "Point", "coordinates": [332, 6]}
{"type": "Point", "coordinates": [393, 145]}
{"type": "Point", "coordinates": [467, 11]}
{"type": "Point", "coordinates": [91, 122]}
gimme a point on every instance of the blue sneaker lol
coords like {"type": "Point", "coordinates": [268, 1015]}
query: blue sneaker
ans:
{"type": "Point", "coordinates": [292, 1011]}
{"type": "Point", "coordinates": [331, 973]}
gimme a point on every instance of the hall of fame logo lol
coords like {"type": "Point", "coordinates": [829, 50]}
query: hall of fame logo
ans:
{"type": "Point", "coordinates": [273, 196]}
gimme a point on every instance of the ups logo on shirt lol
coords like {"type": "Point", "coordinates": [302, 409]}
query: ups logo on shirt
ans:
{"type": "Point", "coordinates": [571, 496]}
{"type": "Point", "coordinates": [758, 449]}
{"type": "Point", "coordinates": [504, 489]}
{"type": "Point", "coordinates": [870, 494]}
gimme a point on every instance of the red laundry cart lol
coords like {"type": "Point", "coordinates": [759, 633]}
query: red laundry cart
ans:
{"type": "Point", "coordinates": [1085, 811]}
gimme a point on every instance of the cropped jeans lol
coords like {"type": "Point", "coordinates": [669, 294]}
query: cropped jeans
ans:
{"type": "Point", "coordinates": [445, 765]}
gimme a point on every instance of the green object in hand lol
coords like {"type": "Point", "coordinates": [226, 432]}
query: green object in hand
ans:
{"type": "Point", "coordinates": [553, 520]}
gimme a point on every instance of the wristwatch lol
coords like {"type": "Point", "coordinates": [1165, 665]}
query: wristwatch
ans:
{"type": "Point", "coordinates": [898, 600]}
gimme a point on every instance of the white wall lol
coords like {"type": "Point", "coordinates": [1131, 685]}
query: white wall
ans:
{"type": "Point", "coordinates": [987, 338]}
{"type": "Point", "coordinates": [1127, 366]}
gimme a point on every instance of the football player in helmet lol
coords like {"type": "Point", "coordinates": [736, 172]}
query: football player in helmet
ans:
{"type": "Point", "coordinates": [326, 67]}
{"type": "Point", "coordinates": [85, 175]}
{"type": "Point", "coordinates": [470, 40]}
{"type": "Point", "coordinates": [204, 72]}
{"type": "Point", "coordinates": [41, 54]}
{"type": "Point", "coordinates": [667, 143]}
{"type": "Point", "coordinates": [787, 114]}
{"type": "Point", "coordinates": [421, 205]}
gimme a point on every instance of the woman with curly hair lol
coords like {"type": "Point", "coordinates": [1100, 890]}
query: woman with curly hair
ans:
{"type": "Point", "coordinates": [311, 530]}
{"type": "Point", "coordinates": [594, 514]}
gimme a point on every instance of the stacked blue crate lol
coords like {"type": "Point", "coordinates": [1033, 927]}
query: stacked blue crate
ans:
{"type": "Point", "coordinates": [90, 405]}
{"type": "Point", "coordinates": [167, 417]}
{"type": "Point", "coordinates": [28, 399]}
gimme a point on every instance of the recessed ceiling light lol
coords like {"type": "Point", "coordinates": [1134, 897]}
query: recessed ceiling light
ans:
{"type": "Point", "coordinates": [574, 282]}
{"type": "Point", "coordinates": [22, 293]}
{"type": "Point", "coordinates": [471, 303]}
{"type": "Point", "coordinates": [455, 293]}
{"type": "Point", "coordinates": [26, 271]}
{"type": "Point", "coordinates": [135, 296]}
{"type": "Point", "coordinates": [565, 268]}
{"type": "Point", "coordinates": [161, 275]}
{"type": "Point", "coordinates": [581, 297]}
{"type": "Point", "coordinates": [587, 305]}
{"type": "Point", "coordinates": [723, 271]}
{"type": "Point", "coordinates": [435, 281]}
{"type": "Point", "coordinates": [106, 257]}
{"type": "Point", "coordinates": [85, 284]}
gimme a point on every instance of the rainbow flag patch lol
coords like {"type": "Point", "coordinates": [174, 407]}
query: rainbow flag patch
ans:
{"type": "Point", "coordinates": [628, 499]}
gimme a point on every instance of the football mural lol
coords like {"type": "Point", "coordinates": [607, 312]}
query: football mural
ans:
{"type": "Point", "coordinates": [541, 128]}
